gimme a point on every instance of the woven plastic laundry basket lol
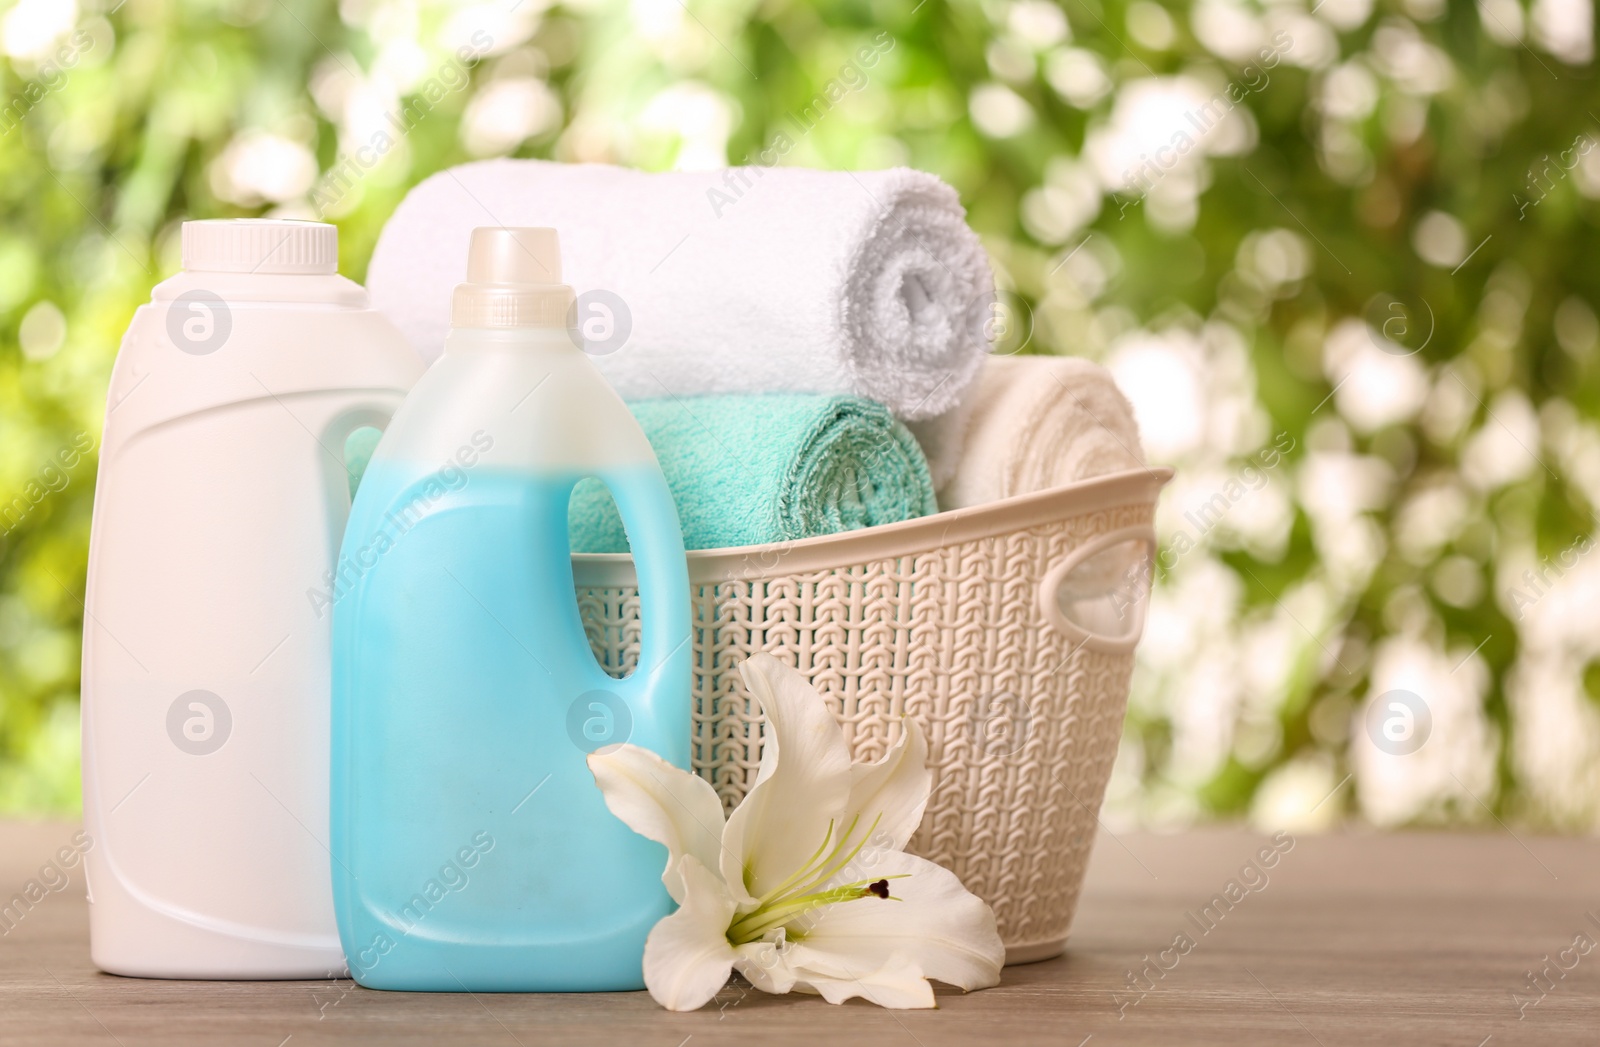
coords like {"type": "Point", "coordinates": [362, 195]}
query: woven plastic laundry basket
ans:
{"type": "Point", "coordinates": [1007, 630]}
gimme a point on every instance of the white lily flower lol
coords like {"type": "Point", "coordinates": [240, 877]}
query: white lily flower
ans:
{"type": "Point", "coordinates": [806, 886]}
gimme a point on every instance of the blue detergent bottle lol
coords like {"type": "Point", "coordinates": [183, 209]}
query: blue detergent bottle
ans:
{"type": "Point", "coordinates": [471, 847]}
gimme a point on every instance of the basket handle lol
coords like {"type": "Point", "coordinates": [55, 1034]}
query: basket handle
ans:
{"type": "Point", "coordinates": [1121, 603]}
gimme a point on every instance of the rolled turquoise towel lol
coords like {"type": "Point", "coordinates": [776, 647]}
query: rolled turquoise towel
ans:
{"type": "Point", "coordinates": [747, 470]}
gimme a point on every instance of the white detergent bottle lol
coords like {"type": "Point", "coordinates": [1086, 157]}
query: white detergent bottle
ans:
{"type": "Point", "coordinates": [239, 398]}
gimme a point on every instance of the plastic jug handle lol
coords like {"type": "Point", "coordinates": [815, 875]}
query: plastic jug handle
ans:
{"type": "Point", "coordinates": [651, 519]}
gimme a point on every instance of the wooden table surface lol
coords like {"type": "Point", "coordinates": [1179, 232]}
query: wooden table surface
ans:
{"type": "Point", "coordinates": [1351, 939]}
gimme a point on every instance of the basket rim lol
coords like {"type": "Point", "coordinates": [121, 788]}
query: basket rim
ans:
{"type": "Point", "coordinates": [747, 562]}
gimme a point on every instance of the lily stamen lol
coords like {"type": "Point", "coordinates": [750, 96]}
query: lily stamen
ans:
{"type": "Point", "coordinates": [833, 867]}
{"type": "Point", "coordinates": [805, 870]}
{"type": "Point", "coordinates": [753, 926]}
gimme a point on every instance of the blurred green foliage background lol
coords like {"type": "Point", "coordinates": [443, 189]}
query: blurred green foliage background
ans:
{"type": "Point", "coordinates": [1374, 252]}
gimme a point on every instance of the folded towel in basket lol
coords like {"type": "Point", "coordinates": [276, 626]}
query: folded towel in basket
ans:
{"type": "Point", "coordinates": [748, 470]}
{"type": "Point", "coordinates": [1038, 422]}
{"type": "Point", "coordinates": [749, 280]}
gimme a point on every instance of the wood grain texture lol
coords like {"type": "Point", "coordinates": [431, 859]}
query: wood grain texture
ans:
{"type": "Point", "coordinates": [1352, 939]}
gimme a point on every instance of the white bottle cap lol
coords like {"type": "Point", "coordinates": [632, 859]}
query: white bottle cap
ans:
{"type": "Point", "coordinates": [513, 280]}
{"type": "Point", "coordinates": [260, 245]}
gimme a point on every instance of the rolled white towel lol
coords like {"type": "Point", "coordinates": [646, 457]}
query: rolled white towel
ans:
{"type": "Point", "coordinates": [1039, 422]}
{"type": "Point", "coordinates": [739, 281]}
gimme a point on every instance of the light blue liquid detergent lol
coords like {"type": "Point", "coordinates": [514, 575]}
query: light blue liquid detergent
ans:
{"type": "Point", "coordinates": [472, 848]}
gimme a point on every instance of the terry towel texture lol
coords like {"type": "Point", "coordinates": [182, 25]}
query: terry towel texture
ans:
{"type": "Point", "coordinates": [747, 280]}
{"type": "Point", "coordinates": [1039, 422]}
{"type": "Point", "coordinates": [747, 470]}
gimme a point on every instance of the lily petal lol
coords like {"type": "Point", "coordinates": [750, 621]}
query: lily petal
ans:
{"type": "Point", "coordinates": [766, 964]}
{"type": "Point", "coordinates": [893, 791]}
{"type": "Point", "coordinates": [897, 983]}
{"type": "Point", "coordinates": [687, 958]}
{"type": "Point", "coordinates": [930, 918]}
{"type": "Point", "coordinates": [780, 823]}
{"type": "Point", "coordinates": [662, 803]}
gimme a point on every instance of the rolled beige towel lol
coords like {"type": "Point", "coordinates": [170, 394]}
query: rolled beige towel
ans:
{"type": "Point", "coordinates": [1038, 422]}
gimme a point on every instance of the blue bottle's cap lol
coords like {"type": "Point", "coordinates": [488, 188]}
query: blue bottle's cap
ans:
{"type": "Point", "coordinates": [513, 280]}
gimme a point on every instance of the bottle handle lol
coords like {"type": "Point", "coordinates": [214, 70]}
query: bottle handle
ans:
{"type": "Point", "coordinates": [335, 455]}
{"type": "Point", "coordinates": [650, 518]}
